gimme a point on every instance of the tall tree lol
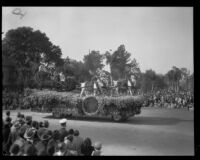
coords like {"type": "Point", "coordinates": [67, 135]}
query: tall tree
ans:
{"type": "Point", "coordinates": [25, 47]}
{"type": "Point", "coordinates": [93, 61]}
{"type": "Point", "coordinates": [121, 64]}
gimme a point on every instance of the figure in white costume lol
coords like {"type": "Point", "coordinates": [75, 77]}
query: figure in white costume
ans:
{"type": "Point", "coordinates": [95, 88]}
{"type": "Point", "coordinates": [62, 77]}
{"type": "Point", "coordinates": [115, 86]}
{"type": "Point", "coordinates": [82, 88]}
{"type": "Point", "coordinates": [129, 87]}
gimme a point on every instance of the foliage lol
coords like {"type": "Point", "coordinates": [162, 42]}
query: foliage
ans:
{"type": "Point", "coordinates": [49, 100]}
{"type": "Point", "coordinates": [121, 65]}
{"type": "Point", "coordinates": [27, 48]}
{"type": "Point", "coordinates": [93, 61]}
{"type": "Point", "coordinates": [12, 99]}
{"type": "Point", "coordinates": [70, 83]}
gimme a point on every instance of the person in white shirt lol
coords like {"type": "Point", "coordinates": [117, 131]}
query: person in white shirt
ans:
{"type": "Point", "coordinates": [82, 88]}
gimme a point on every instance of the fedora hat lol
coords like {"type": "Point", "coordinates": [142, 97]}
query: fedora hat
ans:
{"type": "Point", "coordinates": [29, 134]}
{"type": "Point", "coordinates": [45, 137]}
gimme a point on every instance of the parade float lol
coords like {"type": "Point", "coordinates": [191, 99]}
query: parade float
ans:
{"type": "Point", "coordinates": [99, 97]}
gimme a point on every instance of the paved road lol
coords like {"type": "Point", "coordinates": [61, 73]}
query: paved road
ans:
{"type": "Point", "coordinates": [153, 132]}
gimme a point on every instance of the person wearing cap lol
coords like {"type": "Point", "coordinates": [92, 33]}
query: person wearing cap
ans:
{"type": "Point", "coordinates": [77, 142]}
{"type": "Point", "coordinates": [63, 132]}
{"type": "Point", "coordinates": [97, 149]}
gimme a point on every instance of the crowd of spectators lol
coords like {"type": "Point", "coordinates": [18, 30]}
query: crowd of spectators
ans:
{"type": "Point", "coordinates": [27, 137]}
{"type": "Point", "coordinates": [169, 99]}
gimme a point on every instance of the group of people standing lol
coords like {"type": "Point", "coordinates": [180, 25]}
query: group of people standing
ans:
{"type": "Point", "coordinates": [27, 137]}
{"type": "Point", "coordinates": [170, 99]}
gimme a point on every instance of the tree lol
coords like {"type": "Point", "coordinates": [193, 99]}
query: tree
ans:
{"type": "Point", "coordinates": [133, 68]}
{"type": "Point", "coordinates": [121, 65]}
{"type": "Point", "coordinates": [93, 61]}
{"type": "Point", "coordinates": [27, 48]}
{"type": "Point", "coordinates": [150, 81]}
{"type": "Point", "coordinates": [77, 69]}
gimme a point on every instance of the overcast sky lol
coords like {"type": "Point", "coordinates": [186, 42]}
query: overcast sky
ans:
{"type": "Point", "coordinates": [158, 37]}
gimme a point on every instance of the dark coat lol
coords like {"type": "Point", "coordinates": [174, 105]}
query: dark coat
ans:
{"type": "Point", "coordinates": [63, 133]}
{"type": "Point", "coordinates": [87, 150]}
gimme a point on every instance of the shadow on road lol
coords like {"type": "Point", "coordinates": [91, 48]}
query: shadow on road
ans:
{"type": "Point", "coordinates": [131, 120]}
{"type": "Point", "coordinates": [155, 121]}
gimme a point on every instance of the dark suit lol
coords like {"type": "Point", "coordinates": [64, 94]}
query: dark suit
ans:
{"type": "Point", "coordinates": [63, 133]}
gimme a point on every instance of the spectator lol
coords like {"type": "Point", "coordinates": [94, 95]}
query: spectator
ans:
{"type": "Point", "coordinates": [86, 147]}
{"type": "Point", "coordinates": [41, 124]}
{"type": "Point", "coordinates": [97, 149]}
{"type": "Point", "coordinates": [6, 143]}
{"type": "Point", "coordinates": [77, 142]}
{"type": "Point", "coordinates": [60, 149]}
{"type": "Point", "coordinates": [14, 132]}
{"type": "Point", "coordinates": [29, 135]}
{"type": "Point", "coordinates": [30, 150]}
{"type": "Point", "coordinates": [63, 132]}
{"type": "Point", "coordinates": [71, 132]}
{"type": "Point", "coordinates": [14, 150]}
{"type": "Point", "coordinates": [68, 141]}
{"type": "Point", "coordinates": [46, 124]}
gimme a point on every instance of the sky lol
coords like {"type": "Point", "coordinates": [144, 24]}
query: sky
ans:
{"type": "Point", "coordinates": [157, 37]}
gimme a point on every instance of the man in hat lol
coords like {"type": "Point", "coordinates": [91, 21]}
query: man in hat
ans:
{"type": "Point", "coordinates": [63, 132]}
